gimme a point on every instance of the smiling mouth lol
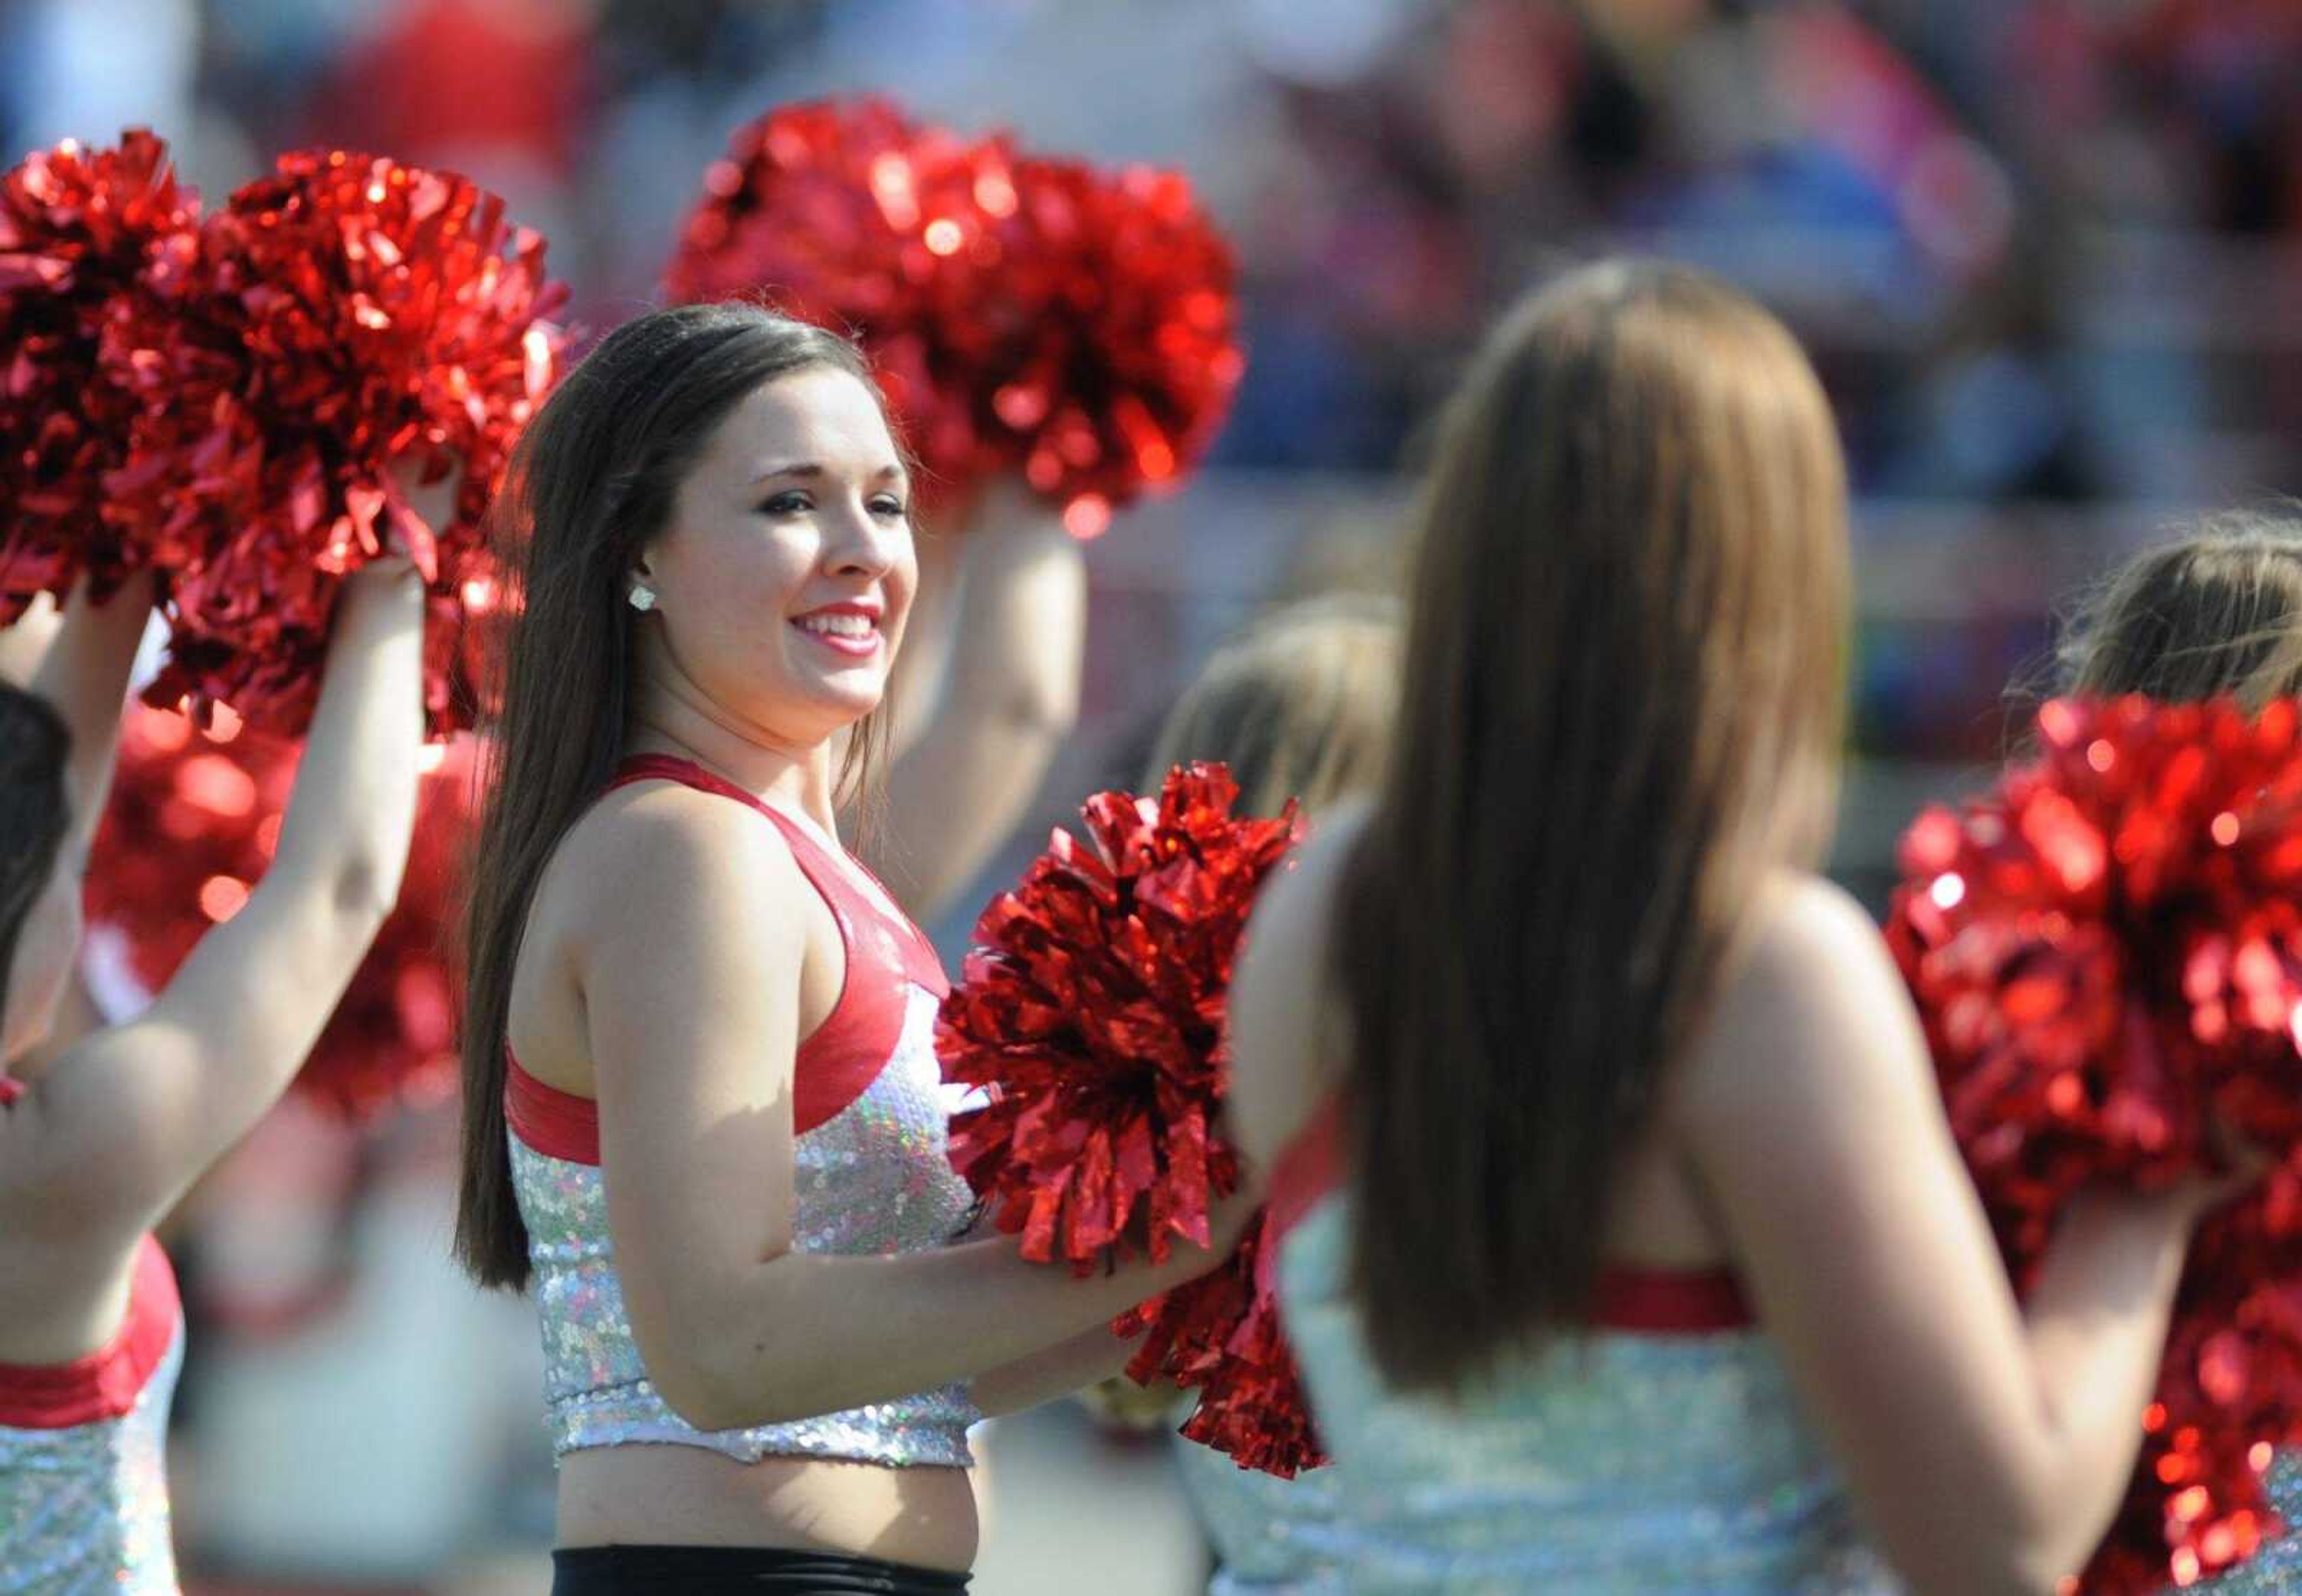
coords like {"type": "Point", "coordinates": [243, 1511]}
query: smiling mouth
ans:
{"type": "Point", "coordinates": [845, 632]}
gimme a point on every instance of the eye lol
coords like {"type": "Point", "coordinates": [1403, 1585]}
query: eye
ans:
{"type": "Point", "coordinates": [888, 506]}
{"type": "Point", "coordinates": [791, 502]}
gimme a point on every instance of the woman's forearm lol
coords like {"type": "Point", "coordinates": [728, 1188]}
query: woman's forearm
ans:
{"type": "Point", "coordinates": [1087, 1359]}
{"type": "Point", "coordinates": [1009, 696]}
{"type": "Point", "coordinates": [2096, 1328]}
{"type": "Point", "coordinates": [84, 675]}
{"type": "Point", "coordinates": [346, 829]}
{"type": "Point", "coordinates": [26, 643]}
{"type": "Point", "coordinates": [808, 1333]}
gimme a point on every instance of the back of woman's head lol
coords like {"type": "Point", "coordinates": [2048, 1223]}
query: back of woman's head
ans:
{"type": "Point", "coordinates": [1621, 712]}
{"type": "Point", "coordinates": [2217, 610]}
{"type": "Point", "coordinates": [1299, 705]}
{"type": "Point", "coordinates": [34, 815]}
{"type": "Point", "coordinates": [592, 484]}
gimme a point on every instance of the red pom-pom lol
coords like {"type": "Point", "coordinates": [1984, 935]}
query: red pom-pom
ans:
{"type": "Point", "coordinates": [80, 229]}
{"type": "Point", "coordinates": [1024, 314]}
{"type": "Point", "coordinates": [1091, 1012]}
{"type": "Point", "coordinates": [1220, 1335]}
{"type": "Point", "coordinates": [2108, 955]}
{"type": "Point", "coordinates": [192, 824]}
{"type": "Point", "coordinates": [344, 313]}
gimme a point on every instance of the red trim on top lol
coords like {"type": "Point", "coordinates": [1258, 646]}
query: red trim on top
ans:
{"type": "Point", "coordinates": [1635, 1301]}
{"type": "Point", "coordinates": [106, 1382]}
{"type": "Point", "coordinates": [885, 956]}
{"type": "Point", "coordinates": [557, 1124]}
{"type": "Point", "coordinates": [1308, 1168]}
{"type": "Point", "coordinates": [883, 953]}
{"type": "Point", "coordinates": [1669, 1301]}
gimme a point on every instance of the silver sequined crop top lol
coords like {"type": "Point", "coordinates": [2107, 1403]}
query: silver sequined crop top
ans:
{"type": "Point", "coordinates": [1661, 1449]}
{"type": "Point", "coordinates": [83, 1476]}
{"type": "Point", "coordinates": [871, 1178]}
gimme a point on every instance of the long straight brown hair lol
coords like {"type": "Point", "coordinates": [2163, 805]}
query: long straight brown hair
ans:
{"type": "Point", "coordinates": [1621, 710]}
{"type": "Point", "coordinates": [590, 486]}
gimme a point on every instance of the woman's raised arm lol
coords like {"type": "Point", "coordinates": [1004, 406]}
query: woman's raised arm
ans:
{"type": "Point", "coordinates": [116, 1132]}
{"type": "Point", "coordinates": [1987, 1445]}
{"type": "Point", "coordinates": [1009, 696]}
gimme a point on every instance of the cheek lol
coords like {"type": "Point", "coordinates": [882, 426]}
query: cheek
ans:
{"type": "Point", "coordinates": [727, 595]}
{"type": "Point", "coordinates": [728, 571]}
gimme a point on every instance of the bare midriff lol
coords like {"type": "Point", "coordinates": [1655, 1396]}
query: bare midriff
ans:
{"type": "Point", "coordinates": [686, 1496]}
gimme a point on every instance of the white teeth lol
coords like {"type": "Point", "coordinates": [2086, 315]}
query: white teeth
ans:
{"type": "Point", "coordinates": [838, 626]}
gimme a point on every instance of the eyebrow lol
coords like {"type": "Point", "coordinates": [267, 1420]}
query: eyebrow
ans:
{"type": "Point", "coordinates": [808, 470]}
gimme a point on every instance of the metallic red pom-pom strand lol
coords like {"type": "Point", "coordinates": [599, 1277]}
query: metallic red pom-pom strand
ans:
{"type": "Point", "coordinates": [339, 316]}
{"type": "Point", "coordinates": [2107, 956]}
{"type": "Point", "coordinates": [1024, 314]}
{"type": "Point", "coordinates": [1091, 1015]}
{"type": "Point", "coordinates": [80, 231]}
{"type": "Point", "coordinates": [1221, 1336]}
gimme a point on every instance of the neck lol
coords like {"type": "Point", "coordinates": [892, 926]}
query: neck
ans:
{"type": "Point", "coordinates": [796, 777]}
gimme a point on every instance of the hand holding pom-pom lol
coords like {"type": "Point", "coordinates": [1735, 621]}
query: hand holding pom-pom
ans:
{"type": "Point", "coordinates": [1091, 1014]}
{"type": "Point", "coordinates": [2107, 956]}
{"type": "Point", "coordinates": [343, 315]}
{"type": "Point", "coordinates": [1119, 355]}
{"type": "Point", "coordinates": [1091, 1011]}
{"type": "Point", "coordinates": [79, 231]}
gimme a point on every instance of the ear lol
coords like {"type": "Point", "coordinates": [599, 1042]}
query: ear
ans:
{"type": "Point", "coordinates": [639, 584]}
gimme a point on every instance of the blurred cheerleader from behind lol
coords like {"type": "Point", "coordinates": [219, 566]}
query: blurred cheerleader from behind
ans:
{"type": "Point", "coordinates": [1626, 1246]}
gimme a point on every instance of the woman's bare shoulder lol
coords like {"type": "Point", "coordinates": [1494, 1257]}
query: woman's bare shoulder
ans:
{"type": "Point", "coordinates": [1283, 1028]}
{"type": "Point", "coordinates": [659, 845]}
{"type": "Point", "coordinates": [1810, 1001]}
{"type": "Point", "coordinates": [660, 876]}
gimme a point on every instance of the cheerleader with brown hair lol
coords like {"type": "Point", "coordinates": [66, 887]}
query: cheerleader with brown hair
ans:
{"type": "Point", "coordinates": [1625, 1246]}
{"type": "Point", "coordinates": [704, 1117]}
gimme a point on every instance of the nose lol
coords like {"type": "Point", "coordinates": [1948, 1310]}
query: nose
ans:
{"type": "Point", "coordinates": [863, 543]}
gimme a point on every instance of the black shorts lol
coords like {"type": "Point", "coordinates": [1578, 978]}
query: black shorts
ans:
{"type": "Point", "coordinates": [737, 1571]}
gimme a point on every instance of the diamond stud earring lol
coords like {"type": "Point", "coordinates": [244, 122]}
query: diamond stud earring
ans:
{"type": "Point", "coordinates": [643, 598]}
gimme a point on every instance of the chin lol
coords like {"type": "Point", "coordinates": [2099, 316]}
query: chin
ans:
{"type": "Point", "coordinates": [823, 718]}
{"type": "Point", "coordinates": [848, 705]}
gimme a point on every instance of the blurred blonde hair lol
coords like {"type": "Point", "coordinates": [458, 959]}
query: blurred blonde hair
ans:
{"type": "Point", "coordinates": [2217, 610]}
{"type": "Point", "coordinates": [1299, 705]}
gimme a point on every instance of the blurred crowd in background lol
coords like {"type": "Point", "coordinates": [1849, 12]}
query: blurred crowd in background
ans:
{"type": "Point", "coordinates": [2035, 242]}
{"type": "Point", "coordinates": [2047, 255]}
{"type": "Point", "coordinates": [2044, 250]}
